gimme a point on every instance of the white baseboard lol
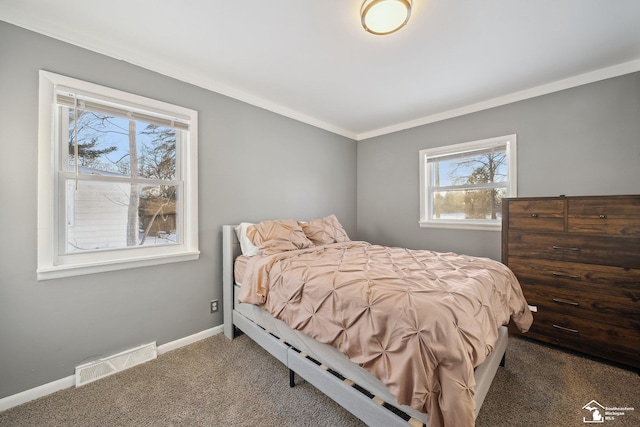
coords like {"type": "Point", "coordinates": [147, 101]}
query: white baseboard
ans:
{"type": "Point", "coordinates": [70, 381]}
{"type": "Point", "coordinates": [181, 342]}
{"type": "Point", "coordinates": [34, 393]}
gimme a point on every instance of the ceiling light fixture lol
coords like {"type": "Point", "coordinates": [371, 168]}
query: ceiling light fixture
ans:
{"type": "Point", "coordinates": [385, 16]}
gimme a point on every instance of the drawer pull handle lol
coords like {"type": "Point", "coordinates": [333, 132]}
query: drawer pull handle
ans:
{"type": "Point", "coordinates": [602, 216]}
{"type": "Point", "coordinates": [565, 248]}
{"type": "Point", "coordinates": [562, 328]}
{"type": "Point", "coordinates": [567, 275]}
{"type": "Point", "coordinates": [564, 301]}
{"type": "Point", "coordinates": [534, 215]}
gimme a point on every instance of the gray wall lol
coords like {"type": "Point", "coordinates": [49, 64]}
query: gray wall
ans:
{"type": "Point", "coordinates": [580, 141]}
{"type": "Point", "coordinates": [253, 165]}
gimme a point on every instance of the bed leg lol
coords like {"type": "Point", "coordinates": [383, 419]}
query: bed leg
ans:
{"type": "Point", "coordinates": [292, 377]}
{"type": "Point", "coordinates": [503, 360]}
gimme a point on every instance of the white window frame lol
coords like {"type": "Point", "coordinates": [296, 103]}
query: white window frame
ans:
{"type": "Point", "coordinates": [51, 263]}
{"type": "Point", "coordinates": [509, 142]}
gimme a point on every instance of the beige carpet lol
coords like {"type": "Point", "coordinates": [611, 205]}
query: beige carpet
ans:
{"type": "Point", "coordinates": [216, 382]}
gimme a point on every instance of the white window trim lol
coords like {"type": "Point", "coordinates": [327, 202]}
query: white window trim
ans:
{"type": "Point", "coordinates": [511, 144]}
{"type": "Point", "coordinates": [49, 264]}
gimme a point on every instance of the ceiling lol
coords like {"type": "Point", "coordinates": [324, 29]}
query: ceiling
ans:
{"type": "Point", "coordinates": [312, 60]}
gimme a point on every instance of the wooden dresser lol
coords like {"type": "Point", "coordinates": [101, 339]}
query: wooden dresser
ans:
{"type": "Point", "coordinates": [578, 261]}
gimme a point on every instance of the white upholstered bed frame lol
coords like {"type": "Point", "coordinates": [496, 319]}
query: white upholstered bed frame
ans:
{"type": "Point", "coordinates": [322, 365]}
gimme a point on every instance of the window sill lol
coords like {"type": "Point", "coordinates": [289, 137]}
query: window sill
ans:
{"type": "Point", "coordinates": [461, 226]}
{"type": "Point", "coordinates": [61, 271]}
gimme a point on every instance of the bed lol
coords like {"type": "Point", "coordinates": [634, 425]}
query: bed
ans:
{"type": "Point", "coordinates": [414, 374]}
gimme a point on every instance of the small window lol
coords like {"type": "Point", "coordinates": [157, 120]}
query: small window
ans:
{"type": "Point", "coordinates": [117, 180]}
{"type": "Point", "coordinates": [462, 185]}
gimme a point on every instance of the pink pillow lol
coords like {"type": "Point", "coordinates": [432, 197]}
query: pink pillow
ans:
{"type": "Point", "coordinates": [276, 236]}
{"type": "Point", "coordinates": [323, 231]}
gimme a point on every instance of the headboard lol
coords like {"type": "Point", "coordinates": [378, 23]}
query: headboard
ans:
{"type": "Point", "coordinates": [230, 250]}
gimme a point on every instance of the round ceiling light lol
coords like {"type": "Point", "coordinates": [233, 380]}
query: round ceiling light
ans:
{"type": "Point", "coordinates": [385, 16]}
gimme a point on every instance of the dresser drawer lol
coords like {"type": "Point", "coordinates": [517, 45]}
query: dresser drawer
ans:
{"type": "Point", "coordinates": [605, 308]}
{"type": "Point", "coordinates": [618, 216]}
{"type": "Point", "coordinates": [600, 339]}
{"type": "Point", "coordinates": [617, 251]}
{"type": "Point", "coordinates": [541, 215]}
{"type": "Point", "coordinates": [604, 279]}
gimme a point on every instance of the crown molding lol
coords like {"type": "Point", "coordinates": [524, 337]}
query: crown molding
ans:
{"type": "Point", "coordinates": [578, 80]}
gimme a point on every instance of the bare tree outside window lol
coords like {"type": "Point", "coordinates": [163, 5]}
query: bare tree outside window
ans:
{"type": "Point", "coordinates": [485, 169]}
{"type": "Point", "coordinates": [115, 147]}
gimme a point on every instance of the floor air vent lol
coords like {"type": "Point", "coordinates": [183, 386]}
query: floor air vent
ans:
{"type": "Point", "coordinates": [101, 368]}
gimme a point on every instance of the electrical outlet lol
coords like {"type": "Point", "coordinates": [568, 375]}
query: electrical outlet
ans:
{"type": "Point", "coordinates": [213, 306]}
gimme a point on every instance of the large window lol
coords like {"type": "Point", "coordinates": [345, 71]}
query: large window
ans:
{"type": "Point", "coordinates": [462, 185]}
{"type": "Point", "coordinates": [117, 181]}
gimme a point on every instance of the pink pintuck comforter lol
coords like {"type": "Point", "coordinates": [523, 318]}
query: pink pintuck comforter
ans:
{"type": "Point", "coordinates": [420, 321]}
